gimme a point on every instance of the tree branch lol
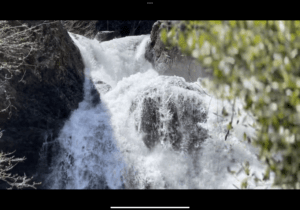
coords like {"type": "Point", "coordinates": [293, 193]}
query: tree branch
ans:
{"type": "Point", "coordinates": [16, 181]}
{"type": "Point", "coordinates": [231, 120]}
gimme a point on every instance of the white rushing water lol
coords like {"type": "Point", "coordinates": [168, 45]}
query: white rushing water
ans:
{"type": "Point", "coordinates": [99, 146]}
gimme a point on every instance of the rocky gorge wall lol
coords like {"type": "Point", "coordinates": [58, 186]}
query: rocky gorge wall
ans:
{"type": "Point", "coordinates": [171, 62]}
{"type": "Point", "coordinates": [121, 28]}
{"type": "Point", "coordinates": [38, 97]}
{"type": "Point", "coordinates": [49, 86]}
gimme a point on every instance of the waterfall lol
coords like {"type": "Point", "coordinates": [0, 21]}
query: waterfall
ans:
{"type": "Point", "coordinates": [101, 145]}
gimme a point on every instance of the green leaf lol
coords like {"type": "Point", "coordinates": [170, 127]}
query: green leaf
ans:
{"type": "Point", "coordinates": [244, 184]}
{"type": "Point", "coordinates": [164, 36]}
{"type": "Point", "coordinates": [224, 112]}
{"type": "Point", "coordinates": [229, 126]}
{"type": "Point", "coordinates": [267, 57]}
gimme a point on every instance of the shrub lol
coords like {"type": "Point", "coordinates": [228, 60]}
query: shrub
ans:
{"type": "Point", "coordinates": [257, 62]}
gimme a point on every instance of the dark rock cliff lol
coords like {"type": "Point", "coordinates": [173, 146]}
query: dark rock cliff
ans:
{"type": "Point", "coordinates": [107, 35]}
{"type": "Point", "coordinates": [89, 28]}
{"type": "Point", "coordinates": [43, 92]}
{"type": "Point", "coordinates": [171, 62]}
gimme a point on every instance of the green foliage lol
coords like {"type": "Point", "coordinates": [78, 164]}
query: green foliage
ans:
{"type": "Point", "coordinates": [244, 184]}
{"type": "Point", "coordinates": [250, 180]}
{"type": "Point", "coordinates": [258, 62]}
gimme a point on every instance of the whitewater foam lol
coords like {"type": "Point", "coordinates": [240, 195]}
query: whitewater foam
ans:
{"type": "Point", "coordinates": [101, 148]}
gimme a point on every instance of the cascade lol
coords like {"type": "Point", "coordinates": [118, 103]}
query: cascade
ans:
{"type": "Point", "coordinates": [145, 131]}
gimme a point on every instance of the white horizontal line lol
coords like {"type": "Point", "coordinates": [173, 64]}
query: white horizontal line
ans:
{"type": "Point", "coordinates": [156, 207]}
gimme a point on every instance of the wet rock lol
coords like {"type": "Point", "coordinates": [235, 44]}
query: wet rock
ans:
{"type": "Point", "coordinates": [107, 35]}
{"type": "Point", "coordinates": [168, 113]}
{"type": "Point", "coordinates": [95, 96]}
{"type": "Point", "coordinates": [171, 61]}
{"type": "Point", "coordinates": [90, 28]}
{"type": "Point", "coordinates": [102, 87]}
{"type": "Point", "coordinates": [150, 122]}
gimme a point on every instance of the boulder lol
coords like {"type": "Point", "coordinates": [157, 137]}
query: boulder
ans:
{"type": "Point", "coordinates": [107, 35]}
{"type": "Point", "coordinates": [169, 113]}
{"type": "Point", "coordinates": [95, 95]}
{"type": "Point", "coordinates": [42, 93]}
{"type": "Point", "coordinates": [171, 61]}
{"type": "Point", "coordinates": [102, 87]}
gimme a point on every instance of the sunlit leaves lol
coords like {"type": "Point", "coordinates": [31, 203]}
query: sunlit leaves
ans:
{"type": "Point", "coordinates": [257, 39]}
{"type": "Point", "coordinates": [182, 41]}
{"type": "Point", "coordinates": [163, 35]}
{"type": "Point", "coordinates": [244, 184]}
{"type": "Point", "coordinates": [258, 62]}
